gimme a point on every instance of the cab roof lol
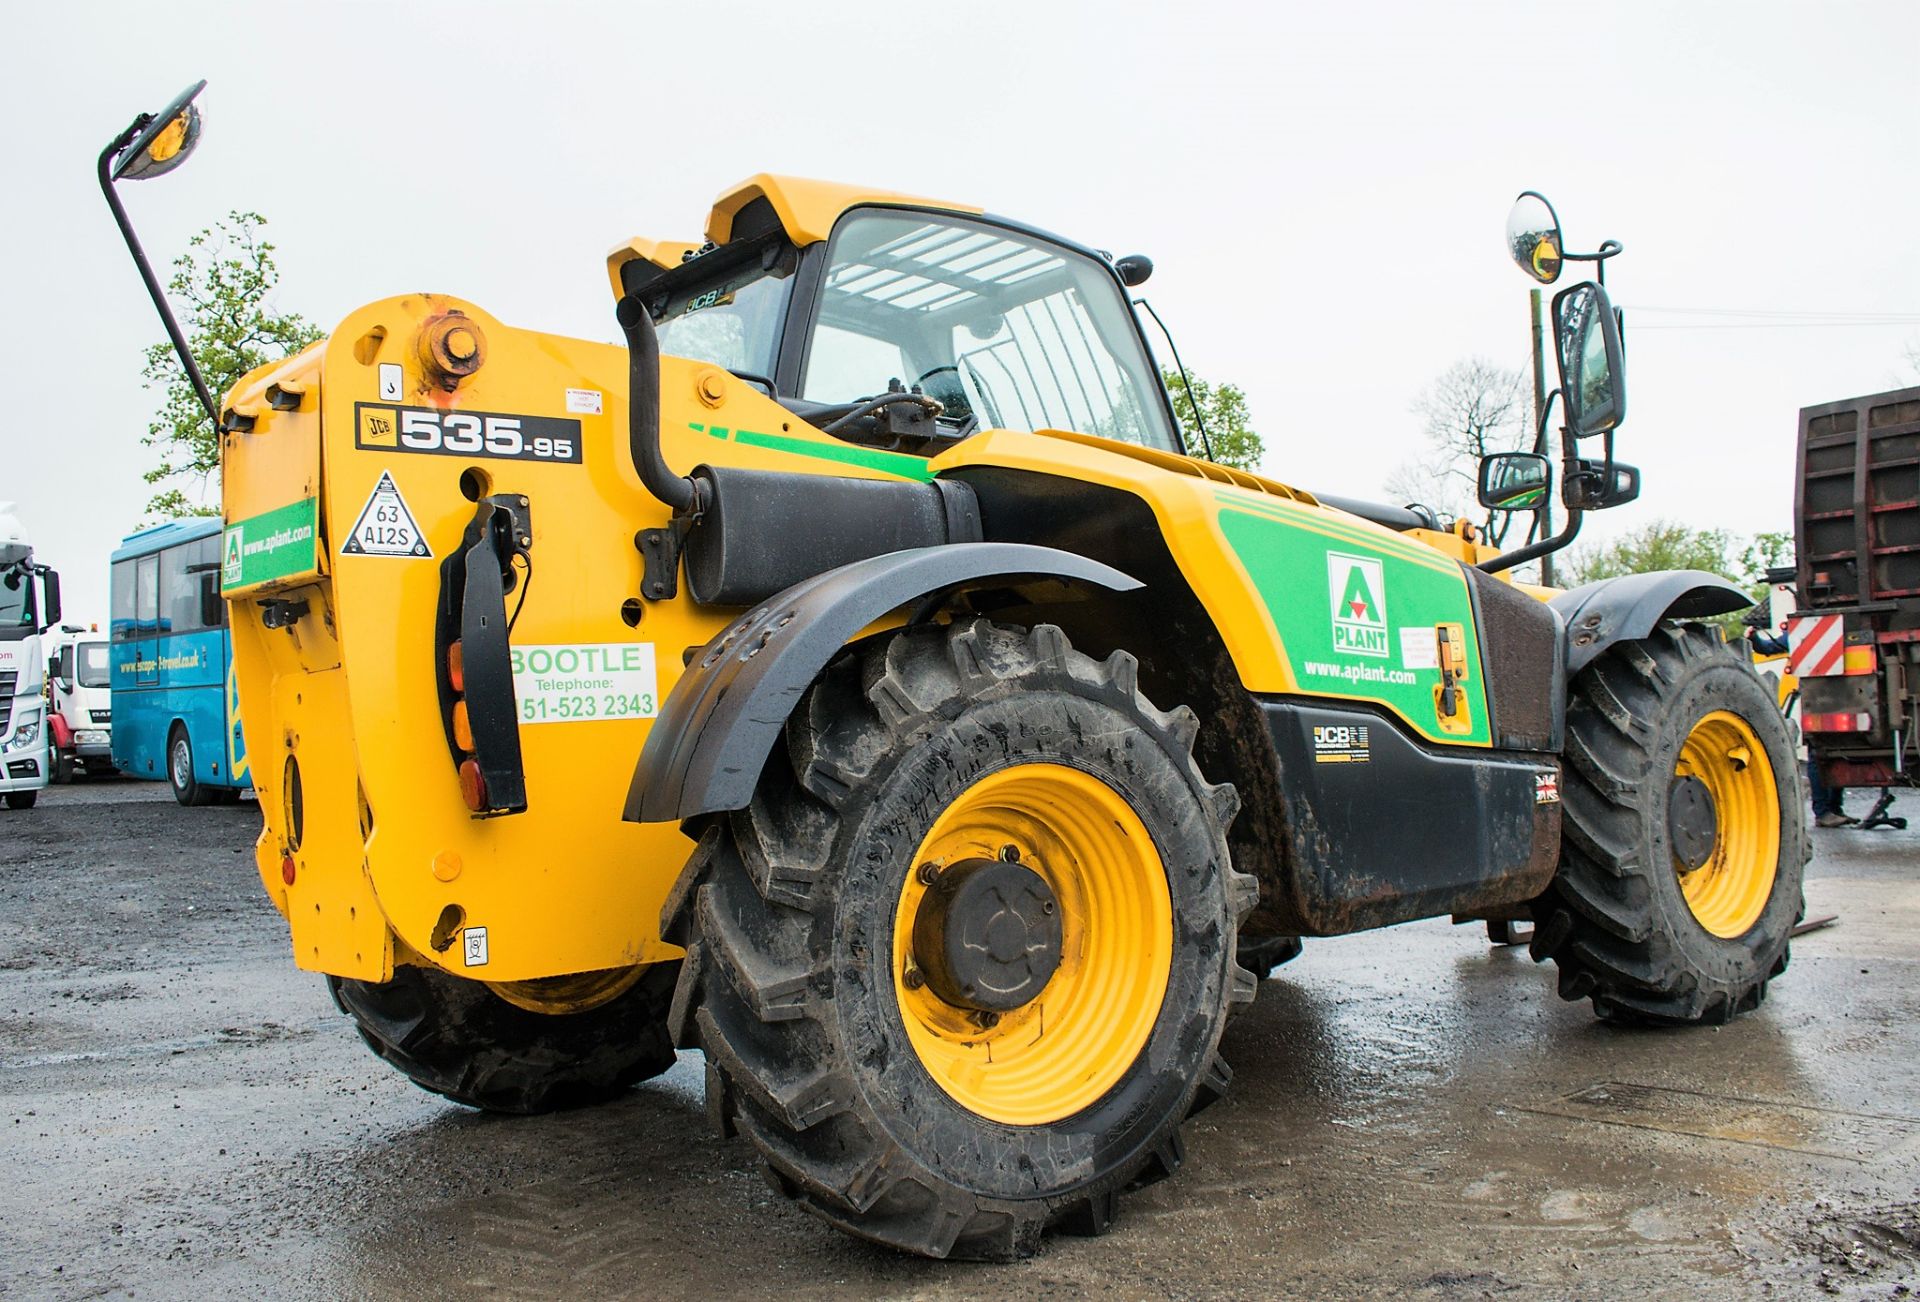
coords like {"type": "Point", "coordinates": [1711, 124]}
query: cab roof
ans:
{"type": "Point", "coordinates": [805, 210]}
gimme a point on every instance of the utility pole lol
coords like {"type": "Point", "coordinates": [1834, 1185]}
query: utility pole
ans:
{"type": "Point", "coordinates": [1541, 441]}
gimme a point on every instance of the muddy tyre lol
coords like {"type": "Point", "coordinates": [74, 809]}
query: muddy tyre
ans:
{"type": "Point", "coordinates": [960, 969]}
{"type": "Point", "coordinates": [1685, 835]}
{"type": "Point", "coordinates": [469, 1042]}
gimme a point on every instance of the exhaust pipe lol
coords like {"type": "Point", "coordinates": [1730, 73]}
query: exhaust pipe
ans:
{"type": "Point", "coordinates": [682, 495]}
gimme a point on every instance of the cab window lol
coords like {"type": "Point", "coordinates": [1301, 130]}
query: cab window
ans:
{"type": "Point", "coordinates": [1004, 329]}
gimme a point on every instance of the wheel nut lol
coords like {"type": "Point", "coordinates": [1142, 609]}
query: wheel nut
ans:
{"type": "Point", "coordinates": [912, 978]}
{"type": "Point", "coordinates": [928, 872]}
{"type": "Point", "coordinates": [986, 1020]}
{"type": "Point", "coordinates": [1010, 854]}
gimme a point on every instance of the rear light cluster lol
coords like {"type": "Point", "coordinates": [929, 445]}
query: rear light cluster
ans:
{"type": "Point", "coordinates": [473, 784]}
{"type": "Point", "coordinates": [1838, 721]}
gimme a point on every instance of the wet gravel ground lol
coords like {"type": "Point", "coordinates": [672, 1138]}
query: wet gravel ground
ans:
{"type": "Point", "coordinates": [182, 1113]}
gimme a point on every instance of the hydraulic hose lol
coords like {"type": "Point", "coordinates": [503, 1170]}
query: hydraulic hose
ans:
{"type": "Point", "coordinates": [643, 409]}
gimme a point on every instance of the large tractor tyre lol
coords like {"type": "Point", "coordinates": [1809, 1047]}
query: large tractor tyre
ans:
{"type": "Point", "coordinates": [523, 1046]}
{"type": "Point", "coordinates": [1685, 835]}
{"type": "Point", "coordinates": [186, 788]}
{"type": "Point", "coordinates": [960, 969]}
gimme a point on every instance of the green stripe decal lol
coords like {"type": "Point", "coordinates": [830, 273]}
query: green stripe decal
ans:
{"type": "Point", "coordinates": [1357, 617]}
{"type": "Point", "coordinates": [1307, 517]}
{"type": "Point", "coordinates": [893, 463]}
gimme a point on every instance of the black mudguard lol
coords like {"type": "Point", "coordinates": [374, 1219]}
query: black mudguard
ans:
{"type": "Point", "coordinates": [721, 720]}
{"type": "Point", "coordinates": [1628, 608]}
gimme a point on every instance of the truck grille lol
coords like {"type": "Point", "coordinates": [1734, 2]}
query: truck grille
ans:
{"type": "Point", "coordinates": [100, 716]}
{"type": "Point", "coordinates": [7, 680]}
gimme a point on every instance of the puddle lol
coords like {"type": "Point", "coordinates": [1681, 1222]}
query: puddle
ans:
{"type": "Point", "coordinates": [1793, 1127]}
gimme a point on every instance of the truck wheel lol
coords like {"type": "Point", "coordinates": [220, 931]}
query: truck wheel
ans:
{"type": "Point", "coordinates": [63, 766]}
{"type": "Point", "coordinates": [186, 788]}
{"type": "Point", "coordinates": [960, 969]}
{"type": "Point", "coordinates": [21, 799]}
{"type": "Point", "coordinates": [524, 1046]}
{"type": "Point", "coordinates": [1685, 835]}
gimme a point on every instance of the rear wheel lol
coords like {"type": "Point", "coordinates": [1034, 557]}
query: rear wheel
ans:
{"type": "Point", "coordinates": [1685, 844]}
{"type": "Point", "coordinates": [1027, 847]}
{"type": "Point", "coordinates": [520, 1046]}
{"type": "Point", "coordinates": [186, 788]}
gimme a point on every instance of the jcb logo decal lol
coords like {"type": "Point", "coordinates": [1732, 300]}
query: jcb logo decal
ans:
{"type": "Point", "coordinates": [1358, 591]}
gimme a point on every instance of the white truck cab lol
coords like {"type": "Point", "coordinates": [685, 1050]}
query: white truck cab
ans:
{"type": "Point", "coordinates": [80, 702]}
{"type": "Point", "coordinates": [29, 606]}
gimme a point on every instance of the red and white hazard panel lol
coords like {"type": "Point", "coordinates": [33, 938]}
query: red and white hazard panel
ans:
{"type": "Point", "coordinates": [1816, 646]}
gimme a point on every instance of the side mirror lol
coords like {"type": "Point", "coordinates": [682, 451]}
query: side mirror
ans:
{"type": "Point", "coordinates": [1134, 269]}
{"type": "Point", "coordinates": [1597, 485]}
{"type": "Point", "coordinates": [1533, 237]}
{"type": "Point", "coordinates": [164, 143]}
{"type": "Point", "coordinates": [1586, 336]}
{"type": "Point", "coordinates": [1514, 481]}
{"type": "Point", "coordinates": [50, 591]}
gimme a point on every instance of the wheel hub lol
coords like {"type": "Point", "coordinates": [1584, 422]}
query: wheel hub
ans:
{"type": "Point", "coordinates": [1693, 825]}
{"type": "Point", "coordinates": [987, 936]}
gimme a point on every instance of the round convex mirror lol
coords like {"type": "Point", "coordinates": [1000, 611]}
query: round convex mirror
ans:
{"type": "Point", "coordinates": [1533, 237]}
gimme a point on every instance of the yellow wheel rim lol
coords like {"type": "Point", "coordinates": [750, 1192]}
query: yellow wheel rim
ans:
{"type": "Point", "coordinates": [1729, 891]}
{"type": "Point", "coordinates": [577, 993]}
{"type": "Point", "coordinates": [1060, 1052]}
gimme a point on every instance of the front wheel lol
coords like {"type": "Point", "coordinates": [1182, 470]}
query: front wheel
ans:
{"type": "Point", "coordinates": [961, 968]}
{"type": "Point", "coordinates": [21, 799]}
{"type": "Point", "coordinates": [1686, 841]}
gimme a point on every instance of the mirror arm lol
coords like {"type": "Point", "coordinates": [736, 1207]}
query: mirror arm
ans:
{"type": "Point", "coordinates": [1607, 249]}
{"type": "Point", "coordinates": [1533, 551]}
{"type": "Point", "coordinates": [119, 143]}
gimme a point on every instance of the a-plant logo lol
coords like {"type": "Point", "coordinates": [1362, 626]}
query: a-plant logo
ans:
{"type": "Point", "coordinates": [230, 563]}
{"type": "Point", "coordinates": [1359, 593]}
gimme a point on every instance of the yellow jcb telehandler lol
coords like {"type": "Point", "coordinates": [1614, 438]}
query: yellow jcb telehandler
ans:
{"type": "Point", "coordinates": [858, 678]}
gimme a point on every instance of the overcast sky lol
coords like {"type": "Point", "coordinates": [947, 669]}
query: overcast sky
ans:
{"type": "Point", "coordinates": [1322, 189]}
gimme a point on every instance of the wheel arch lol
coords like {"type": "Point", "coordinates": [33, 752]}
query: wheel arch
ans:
{"type": "Point", "coordinates": [1626, 609]}
{"type": "Point", "coordinates": [721, 720]}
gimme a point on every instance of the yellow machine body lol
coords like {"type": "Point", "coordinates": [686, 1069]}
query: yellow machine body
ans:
{"type": "Point", "coordinates": [334, 649]}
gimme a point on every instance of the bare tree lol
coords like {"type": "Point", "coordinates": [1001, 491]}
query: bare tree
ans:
{"type": "Point", "coordinates": [1473, 408]}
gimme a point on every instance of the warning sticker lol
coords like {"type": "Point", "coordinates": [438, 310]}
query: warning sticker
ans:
{"type": "Point", "coordinates": [1419, 648]}
{"type": "Point", "coordinates": [385, 526]}
{"type": "Point", "coordinates": [576, 683]}
{"type": "Point", "coordinates": [474, 946]}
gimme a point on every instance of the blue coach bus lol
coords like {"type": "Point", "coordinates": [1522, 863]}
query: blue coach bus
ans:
{"type": "Point", "coordinates": [175, 716]}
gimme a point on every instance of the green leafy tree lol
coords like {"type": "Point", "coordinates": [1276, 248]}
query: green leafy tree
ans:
{"type": "Point", "coordinates": [221, 286]}
{"type": "Point", "coordinates": [1224, 407]}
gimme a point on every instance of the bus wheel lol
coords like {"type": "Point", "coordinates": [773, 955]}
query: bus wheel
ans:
{"type": "Point", "coordinates": [180, 770]}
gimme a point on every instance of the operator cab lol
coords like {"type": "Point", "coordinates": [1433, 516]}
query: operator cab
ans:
{"type": "Point", "coordinates": [912, 328]}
